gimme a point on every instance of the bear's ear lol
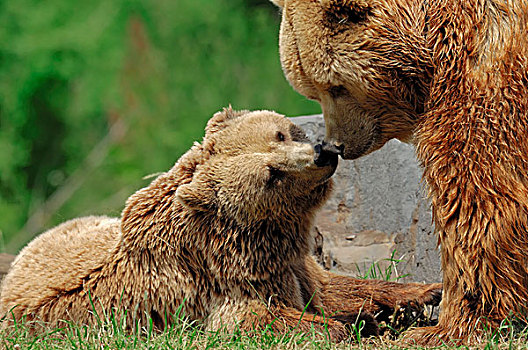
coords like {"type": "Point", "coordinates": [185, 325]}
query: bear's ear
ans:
{"type": "Point", "coordinates": [346, 10]}
{"type": "Point", "coordinates": [196, 195]}
{"type": "Point", "coordinates": [221, 119]}
{"type": "Point", "coordinates": [279, 3]}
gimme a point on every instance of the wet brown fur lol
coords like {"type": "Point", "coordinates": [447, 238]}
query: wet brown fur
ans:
{"type": "Point", "coordinates": [452, 77]}
{"type": "Point", "coordinates": [226, 231]}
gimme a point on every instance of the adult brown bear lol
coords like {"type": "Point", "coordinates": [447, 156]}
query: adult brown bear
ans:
{"type": "Point", "coordinates": [451, 76]}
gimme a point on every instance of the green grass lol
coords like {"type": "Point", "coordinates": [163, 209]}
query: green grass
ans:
{"type": "Point", "coordinates": [186, 335]}
{"type": "Point", "coordinates": [385, 270]}
{"type": "Point", "coordinates": [182, 334]}
{"type": "Point", "coordinates": [111, 332]}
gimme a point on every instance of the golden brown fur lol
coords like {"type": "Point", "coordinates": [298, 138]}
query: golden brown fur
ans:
{"type": "Point", "coordinates": [226, 231]}
{"type": "Point", "coordinates": [451, 76]}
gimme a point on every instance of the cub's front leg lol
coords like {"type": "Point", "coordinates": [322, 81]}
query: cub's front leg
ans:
{"type": "Point", "coordinates": [342, 293]}
{"type": "Point", "coordinates": [344, 297]}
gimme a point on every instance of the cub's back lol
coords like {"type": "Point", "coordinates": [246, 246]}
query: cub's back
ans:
{"type": "Point", "coordinates": [57, 261]}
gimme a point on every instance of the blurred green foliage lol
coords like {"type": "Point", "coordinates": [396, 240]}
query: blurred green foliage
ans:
{"type": "Point", "coordinates": [96, 94]}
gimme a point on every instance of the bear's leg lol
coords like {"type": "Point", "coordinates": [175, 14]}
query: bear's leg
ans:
{"type": "Point", "coordinates": [481, 289]}
{"type": "Point", "coordinates": [255, 316]}
{"type": "Point", "coordinates": [346, 294]}
{"type": "Point", "coordinates": [467, 315]}
{"type": "Point", "coordinates": [458, 323]}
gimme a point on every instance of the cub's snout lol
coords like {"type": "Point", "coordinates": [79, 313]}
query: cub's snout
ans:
{"type": "Point", "coordinates": [326, 154]}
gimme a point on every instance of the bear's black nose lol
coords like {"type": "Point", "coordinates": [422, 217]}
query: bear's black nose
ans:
{"type": "Point", "coordinates": [326, 154]}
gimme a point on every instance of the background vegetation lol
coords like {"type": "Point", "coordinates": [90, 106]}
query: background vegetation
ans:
{"type": "Point", "coordinates": [97, 94]}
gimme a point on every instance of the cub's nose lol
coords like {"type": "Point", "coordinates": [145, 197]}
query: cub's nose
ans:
{"type": "Point", "coordinates": [326, 154]}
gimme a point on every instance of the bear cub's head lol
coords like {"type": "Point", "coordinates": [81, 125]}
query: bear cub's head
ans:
{"type": "Point", "coordinates": [257, 166]}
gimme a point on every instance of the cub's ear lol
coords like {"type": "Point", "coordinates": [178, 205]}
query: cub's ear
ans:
{"type": "Point", "coordinates": [279, 3]}
{"type": "Point", "coordinates": [347, 10]}
{"type": "Point", "coordinates": [221, 119]}
{"type": "Point", "coordinates": [196, 195]}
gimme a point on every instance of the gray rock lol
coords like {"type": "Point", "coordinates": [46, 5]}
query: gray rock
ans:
{"type": "Point", "coordinates": [378, 214]}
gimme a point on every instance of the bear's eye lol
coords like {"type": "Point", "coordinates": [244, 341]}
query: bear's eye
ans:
{"type": "Point", "coordinates": [337, 91]}
{"type": "Point", "coordinates": [280, 136]}
{"type": "Point", "coordinates": [346, 11]}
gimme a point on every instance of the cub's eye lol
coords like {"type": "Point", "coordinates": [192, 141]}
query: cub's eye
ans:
{"type": "Point", "coordinates": [280, 136]}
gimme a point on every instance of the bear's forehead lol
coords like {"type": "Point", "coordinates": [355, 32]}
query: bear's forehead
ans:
{"type": "Point", "coordinates": [271, 122]}
{"type": "Point", "coordinates": [257, 126]}
{"type": "Point", "coordinates": [265, 119]}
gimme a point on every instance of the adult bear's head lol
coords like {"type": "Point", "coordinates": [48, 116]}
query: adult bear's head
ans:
{"type": "Point", "coordinates": [364, 61]}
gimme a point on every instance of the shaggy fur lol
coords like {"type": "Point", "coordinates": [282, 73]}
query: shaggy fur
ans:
{"type": "Point", "coordinates": [226, 231]}
{"type": "Point", "coordinates": [452, 77]}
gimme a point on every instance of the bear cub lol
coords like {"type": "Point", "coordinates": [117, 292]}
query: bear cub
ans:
{"type": "Point", "coordinates": [225, 232]}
